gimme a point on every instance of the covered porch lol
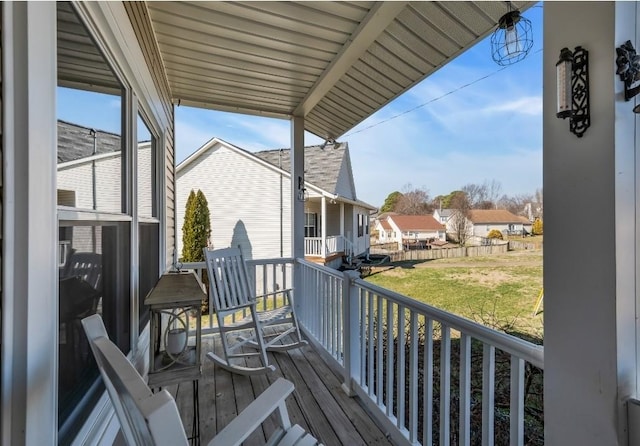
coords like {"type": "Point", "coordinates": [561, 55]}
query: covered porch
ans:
{"type": "Point", "coordinates": [345, 63]}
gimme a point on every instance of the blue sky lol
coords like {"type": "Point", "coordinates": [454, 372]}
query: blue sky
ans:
{"type": "Point", "coordinates": [489, 130]}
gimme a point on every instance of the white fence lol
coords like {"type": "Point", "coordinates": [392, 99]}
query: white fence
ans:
{"type": "Point", "coordinates": [386, 344]}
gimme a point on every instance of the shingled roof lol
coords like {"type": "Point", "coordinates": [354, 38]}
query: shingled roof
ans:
{"type": "Point", "coordinates": [480, 216]}
{"type": "Point", "coordinates": [76, 142]}
{"type": "Point", "coordinates": [416, 223]}
{"type": "Point", "coordinates": [322, 165]}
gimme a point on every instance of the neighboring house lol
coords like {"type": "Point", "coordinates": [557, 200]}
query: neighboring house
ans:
{"type": "Point", "coordinates": [336, 222]}
{"type": "Point", "coordinates": [415, 230]}
{"type": "Point", "coordinates": [442, 215]}
{"type": "Point", "coordinates": [484, 221]}
{"type": "Point", "coordinates": [384, 230]}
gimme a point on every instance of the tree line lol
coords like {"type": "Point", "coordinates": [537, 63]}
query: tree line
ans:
{"type": "Point", "coordinates": [488, 195]}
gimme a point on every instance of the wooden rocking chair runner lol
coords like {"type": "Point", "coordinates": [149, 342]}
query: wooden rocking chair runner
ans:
{"type": "Point", "coordinates": [152, 419]}
{"type": "Point", "coordinates": [232, 297]}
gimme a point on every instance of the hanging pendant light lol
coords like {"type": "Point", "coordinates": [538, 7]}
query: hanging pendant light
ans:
{"type": "Point", "coordinates": [512, 40]}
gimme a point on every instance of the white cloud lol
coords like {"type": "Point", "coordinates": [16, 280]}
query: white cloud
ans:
{"type": "Point", "coordinates": [528, 105]}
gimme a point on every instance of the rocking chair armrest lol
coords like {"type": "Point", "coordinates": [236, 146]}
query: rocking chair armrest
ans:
{"type": "Point", "coordinates": [255, 413]}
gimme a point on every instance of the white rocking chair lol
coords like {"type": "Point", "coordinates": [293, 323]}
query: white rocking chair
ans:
{"type": "Point", "coordinates": [233, 298]}
{"type": "Point", "coordinates": [152, 419]}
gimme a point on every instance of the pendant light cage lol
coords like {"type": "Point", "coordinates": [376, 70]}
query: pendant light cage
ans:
{"type": "Point", "coordinates": [512, 40]}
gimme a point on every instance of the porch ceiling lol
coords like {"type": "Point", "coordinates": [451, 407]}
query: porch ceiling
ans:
{"type": "Point", "coordinates": [335, 63]}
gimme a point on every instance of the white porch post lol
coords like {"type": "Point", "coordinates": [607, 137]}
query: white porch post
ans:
{"type": "Point", "coordinates": [29, 273]}
{"type": "Point", "coordinates": [297, 201]}
{"type": "Point", "coordinates": [342, 219]}
{"type": "Point", "coordinates": [591, 359]}
{"type": "Point", "coordinates": [323, 220]}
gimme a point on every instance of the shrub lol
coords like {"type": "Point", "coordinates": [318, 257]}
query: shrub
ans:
{"type": "Point", "coordinates": [196, 228]}
{"type": "Point", "coordinates": [536, 228]}
{"type": "Point", "coordinates": [494, 233]}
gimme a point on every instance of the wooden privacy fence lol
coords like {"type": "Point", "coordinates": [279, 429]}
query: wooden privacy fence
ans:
{"type": "Point", "coordinates": [444, 253]}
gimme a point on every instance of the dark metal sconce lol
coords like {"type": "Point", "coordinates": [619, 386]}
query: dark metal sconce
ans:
{"type": "Point", "coordinates": [628, 63]}
{"type": "Point", "coordinates": [572, 75]}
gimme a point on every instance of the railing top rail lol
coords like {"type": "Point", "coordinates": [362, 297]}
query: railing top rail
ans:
{"type": "Point", "coordinates": [274, 261]}
{"type": "Point", "coordinates": [522, 349]}
{"type": "Point", "coordinates": [324, 269]}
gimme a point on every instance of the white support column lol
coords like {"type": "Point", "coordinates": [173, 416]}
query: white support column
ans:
{"type": "Point", "coordinates": [30, 297]}
{"type": "Point", "coordinates": [591, 361]}
{"type": "Point", "coordinates": [323, 220]}
{"type": "Point", "coordinates": [342, 219]}
{"type": "Point", "coordinates": [297, 197]}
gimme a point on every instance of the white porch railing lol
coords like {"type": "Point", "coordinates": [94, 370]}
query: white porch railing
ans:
{"type": "Point", "coordinates": [334, 244]}
{"type": "Point", "coordinates": [391, 347]}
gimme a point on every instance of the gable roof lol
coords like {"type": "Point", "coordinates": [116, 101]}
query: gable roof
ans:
{"type": "Point", "coordinates": [326, 158]}
{"type": "Point", "coordinates": [480, 216]}
{"type": "Point", "coordinates": [322, 165]}
{"type": "Point", "coordinates": [416, 222]}
{"type": "Point", "coordinates": [385, 225]}
{"type": "Point", "coordinates": [76, 142]}
{"type": "Point", "coordinates": [444, 212]}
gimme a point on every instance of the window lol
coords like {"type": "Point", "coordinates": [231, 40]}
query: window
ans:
{"type": "Point", "coordinates": [148, 222]}
{"type": "Point", "coordinates": [310, 224]}
{"type": "Point", "coordinates": [360, 225]}
{"type": "Point", "coordinates": [94, 219]}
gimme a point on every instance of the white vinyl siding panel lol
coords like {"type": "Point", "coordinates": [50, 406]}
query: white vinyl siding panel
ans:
{"type": "Point", "coordinates": [244, 202]}
{"type": "Point", "coordinates": [344, 185]}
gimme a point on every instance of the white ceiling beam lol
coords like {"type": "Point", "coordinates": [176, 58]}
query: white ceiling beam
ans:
{"type": "Point", "coordinates": [376, 21]}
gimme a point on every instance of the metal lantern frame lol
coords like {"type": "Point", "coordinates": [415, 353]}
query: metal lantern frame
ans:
{"type": "Point", "coordinates": [512, 39]}
{"type": "Point", "coordinates": [572, 72]}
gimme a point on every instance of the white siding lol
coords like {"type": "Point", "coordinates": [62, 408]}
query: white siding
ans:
{"type": "Point", "coordinates": [244, 202]}
{"type": "Point", "coordinates": [344, 185]}
{"type": "Point", "coordinates": [483, 229]}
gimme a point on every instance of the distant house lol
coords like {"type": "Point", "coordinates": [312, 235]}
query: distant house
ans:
{"type": "Point", "coordinates": [442, 215]}
{"type": "Point", "coordinates": [336, 222]}
{"type": "Point", "coordinates": [485, 220]}
{"type": "Point", "coordinates": [412, 230]}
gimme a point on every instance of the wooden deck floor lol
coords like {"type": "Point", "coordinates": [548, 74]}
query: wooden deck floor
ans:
{"type": "Point", "coordinates": [318, 403]}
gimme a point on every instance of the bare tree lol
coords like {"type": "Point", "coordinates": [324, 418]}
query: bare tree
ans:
{"type": "Point", "coordinates": [413, 201]}
{"type": "Point", "coordinates": [483, 196]}
{"type": "Point", "coordinates": [459, 221]}
{"type": "Point", "coordinates": [516, 204]}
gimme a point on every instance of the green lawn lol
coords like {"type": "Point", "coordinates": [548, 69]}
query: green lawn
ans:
{"type": "Point", "coordinates": [498, 291]}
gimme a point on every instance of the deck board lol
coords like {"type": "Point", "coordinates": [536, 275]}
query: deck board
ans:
{"type": "Point", "coordinates": [318, 403]}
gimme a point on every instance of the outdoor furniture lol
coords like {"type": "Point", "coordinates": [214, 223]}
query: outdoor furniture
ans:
{"type": "Point", "coordinates": [240, 323]}
{"type": "Point", "coordinates": [153, 419]}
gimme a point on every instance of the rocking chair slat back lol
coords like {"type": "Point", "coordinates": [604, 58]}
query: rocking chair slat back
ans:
{"type": "Point", "coordinates": [230, 288]}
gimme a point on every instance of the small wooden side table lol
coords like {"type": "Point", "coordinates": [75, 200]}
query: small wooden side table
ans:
{"type": "Point", "coordinates": [177, 297]}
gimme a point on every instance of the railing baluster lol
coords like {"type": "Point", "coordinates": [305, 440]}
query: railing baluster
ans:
{"type": "Point", "coordinates": [363, 332]}
{"type": "Point", "coordinates": [401, 383]}
{"type": "Point", "coordinates": [445, 385]}
{"type": "Point", "coordinates": [427, 384]}
{"type": "Point", "coordinates": [370, 346]}
{"type": "Point", "coordinates": [516, 414]}
{"type": "Point", "coordinates": [390, 360]}
{"type": "Point", "coordinates": [413, 374]}
{"type": "Point", "coordinates": [488, 393]}
{"type": "Point", "coordinates": [379, 355]}
{"type": "Point", "coordinates": [465, 389]}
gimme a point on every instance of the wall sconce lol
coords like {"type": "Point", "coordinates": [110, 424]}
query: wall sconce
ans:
{"type": "Point", "coordinates": [303, 195]}
{"type": "Point", "coordinates": [628, 63]}
{"type": "Point", "coordinates": [512, 39]}
{"type": "Point", "coordinates": [572, 75]}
